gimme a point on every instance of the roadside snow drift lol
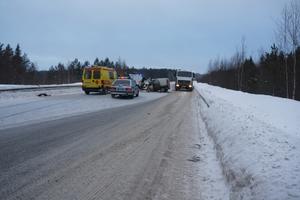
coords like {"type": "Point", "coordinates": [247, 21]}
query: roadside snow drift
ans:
{"type": "Point", "coordinates": [257, 138]}
{"type": "Point", "coordinates": [11, 86]}
{"type": "Point", "coordinates": [25, 107]}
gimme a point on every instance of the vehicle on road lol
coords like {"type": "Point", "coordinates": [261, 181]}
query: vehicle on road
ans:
{"type": "Point", "coordinates": [153, 85]}
{"type": "Point", "coordinates": [98, 79]}
{"type": "Point", "coordinates": [125, 88]}
{"type": "Point", "coordinates": [138, 79]}
{"type": "Point", "coordinates": [184, 80]}
{"type": "Point", "coordinates": [157, 85]}
{"type": "Point", "coordinates": [164, 84]}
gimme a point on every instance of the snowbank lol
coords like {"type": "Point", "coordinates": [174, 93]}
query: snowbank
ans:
{"type": "Point", "coordinates": [257, 138]}
{"type": "Point", "coordinates": [12, 86]}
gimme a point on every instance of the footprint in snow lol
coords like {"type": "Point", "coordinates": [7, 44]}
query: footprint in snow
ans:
{"type": "Point", "coordinates": [194, 159]}
{"type": "Point", "coordinates": [197, 146]}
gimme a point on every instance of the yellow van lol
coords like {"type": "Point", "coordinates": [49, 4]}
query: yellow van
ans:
{"type": "Point", "coordinates": [97, 79]}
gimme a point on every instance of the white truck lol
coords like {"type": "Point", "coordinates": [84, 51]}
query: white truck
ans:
{"type": "Point", "coordinates": [184, 80]}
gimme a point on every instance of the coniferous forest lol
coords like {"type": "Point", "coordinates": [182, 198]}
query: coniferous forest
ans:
{"type": "Point", "coordinates": [16, 68]}
{"type": "Point", "coordinates": [273, 74]}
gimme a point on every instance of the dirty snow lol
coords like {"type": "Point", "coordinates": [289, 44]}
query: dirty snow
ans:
{"type": "Point", "coordinates": [257, 138]}
{"type": "Point", "coordinates": [25, 107]}
{"type": "Point", "coordinates": [212, 182]}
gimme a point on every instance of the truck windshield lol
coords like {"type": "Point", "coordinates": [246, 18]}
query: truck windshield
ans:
{"type": "Point", "coordinates": [184, 74]}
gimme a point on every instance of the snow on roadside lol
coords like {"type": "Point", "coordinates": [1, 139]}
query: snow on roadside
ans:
{"type": "Point", "coordinates": [25, 107]}
{"type": "Point", "coordinates": [212, 182]}
{"type": "Point", "coordinates": [257, 138]}
{"type": "Point", "coordinates": [13, 86]}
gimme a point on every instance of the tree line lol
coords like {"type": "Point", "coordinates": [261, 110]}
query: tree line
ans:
{"type": "Point", "coordinates": [277, 72]}
{"type": "Point", "coordinates": [267, 76]}
{"type": "Point", "coordinates": [16, 68]}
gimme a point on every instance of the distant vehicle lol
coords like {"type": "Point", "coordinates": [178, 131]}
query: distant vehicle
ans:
{"type": "Point", "coordinates": [145, 83]}
{"type": "Point", "coordinates": [124, 87]}
{"type": "Point", "coordinates": [98, 79]}
{"type": "Point", "coordinates": [184, 79]}
{"type": "Point", "coordinates": [164, 84]}
{"type": "Point", "coordinates": [153, 85]}
{"type": "Point", "coordinates": [138, 79]}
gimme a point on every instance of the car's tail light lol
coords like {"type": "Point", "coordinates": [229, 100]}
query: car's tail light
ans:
{"type": "Point", "coordinates": [129, 89]}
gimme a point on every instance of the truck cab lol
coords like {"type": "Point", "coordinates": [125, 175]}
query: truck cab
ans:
{"type": "Point", "coordinates": [184, 80]}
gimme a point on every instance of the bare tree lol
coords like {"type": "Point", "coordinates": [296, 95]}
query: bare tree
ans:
{"type": "Point", "coordinates": [293, 29]}
{"type": "Point", "coordinates": [243, 56]}
{"type": "Point", "coordinates": [238, 61]}
{"type": "Point", "coordinates": [282, 39]}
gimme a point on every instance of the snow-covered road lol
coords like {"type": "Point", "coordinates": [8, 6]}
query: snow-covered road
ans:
{"type": "Point", "coordinates": [155, 150]}
{"type": "Point", "coordinates": [25, 107]}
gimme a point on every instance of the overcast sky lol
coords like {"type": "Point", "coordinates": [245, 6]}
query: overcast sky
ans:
{"type": "Point", "coordinates": [151, 33]}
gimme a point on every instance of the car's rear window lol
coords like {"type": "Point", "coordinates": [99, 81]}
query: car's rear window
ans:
{"type": "Point", "coordinates": [122, 82]}
{"type": "Point", "coordinates": [88, 74]}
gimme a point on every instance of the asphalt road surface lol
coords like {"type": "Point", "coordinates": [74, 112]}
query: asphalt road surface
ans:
{"type": "Point", "coordinates": [142, 151]}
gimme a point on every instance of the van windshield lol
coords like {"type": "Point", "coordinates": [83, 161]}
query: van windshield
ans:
{"type": "Point", "coordinates": [122, 82]}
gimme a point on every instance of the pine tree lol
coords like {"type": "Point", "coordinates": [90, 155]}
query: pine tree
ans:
{"type": "Point", "coordinates": [96, 62]}
{"type": "Point", "coordinates": [7, 63]}
{"type": "Point", "coordinates": [2, 67]}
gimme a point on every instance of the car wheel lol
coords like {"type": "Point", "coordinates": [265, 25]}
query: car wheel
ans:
{"type": "Point", "coordinates": [87, 92]}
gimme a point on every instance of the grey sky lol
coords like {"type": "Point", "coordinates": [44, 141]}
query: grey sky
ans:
{"type": "Point", "coordinates": [150, 33]}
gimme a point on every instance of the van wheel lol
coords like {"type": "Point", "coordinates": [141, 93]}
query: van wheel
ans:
{"type": "Point", "coordinates": [87, 92]}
